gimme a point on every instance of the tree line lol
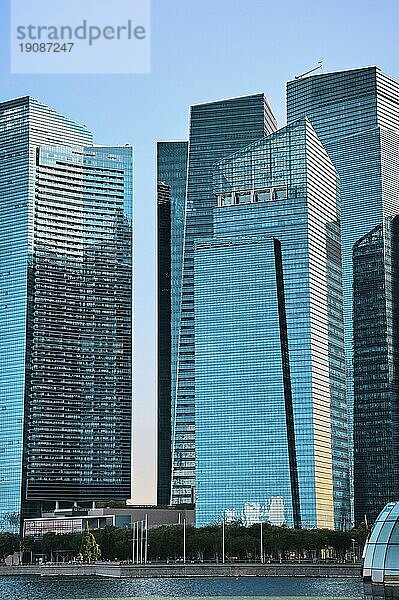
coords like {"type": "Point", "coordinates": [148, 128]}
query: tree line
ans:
{"type": "Point", "coordinates": [165, 543]}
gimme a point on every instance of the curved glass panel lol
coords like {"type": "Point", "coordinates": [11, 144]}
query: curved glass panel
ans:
{"type": "Point", "coordinates": [385, 532]}
{"type": "Point", "coordinates": [368, 559]}
{"type": "Point", "coordinates": [376, 531]}
{"type": "Point", "coordinates": [392, 559]}
{"type": "Point", "coordinates": [378, 576]}
{"type": "Point", "coordinates": [385, 511]}
{"type": "Point", "coordinates": [394, 539]}
{"type": "Point", "coordinates": [379, 556]}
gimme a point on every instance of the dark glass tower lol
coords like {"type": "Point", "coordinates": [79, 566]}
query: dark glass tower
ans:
{"type": "Point", "coordinates": [217, 130]}
{"type": "Point", "coordinates": [376, 346]}
{"type": "Point", "coordinates": [66, 318]}
{"type": "Point", "coordinates": [171, 168]}
{"type": "Point", "coordinates": [164, 343]}
{"type": "Point", "coordinates": [356, 116]}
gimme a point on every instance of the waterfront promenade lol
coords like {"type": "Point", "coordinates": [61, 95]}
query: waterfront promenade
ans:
{"type": "Point", "coordinates": [188, 570]}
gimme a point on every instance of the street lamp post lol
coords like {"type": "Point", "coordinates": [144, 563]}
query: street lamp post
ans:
{"type": "Point", "coordinates": [146, 540]}
{"type": "Point", "coordinates": [261, 543]}
{"type": "Point", "coordinates": [223, 544]}
{"type": "Point", "coordinates": [141, 541]}
{"type": "Point", "coordinates": [353, 550]}
{"type": "Point", "coordinates": [137, 542]}
{"type": "Point", "coordinates": [184, 541]}
{"type": "Point", "coordinates": [133, 542]}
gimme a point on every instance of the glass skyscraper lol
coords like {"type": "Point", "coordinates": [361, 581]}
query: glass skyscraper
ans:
{"type": "Point", "coordinates": [217, 129]}
{"type": "Point", "coordinates": [171, 168]}
{"type": "Point", "coordinates": [355, 114]}
{"type": "Point", "coordinates": [376, 369]}
{"type": "Point", "coordinates": [271, 421]}
{"type": "Point", "coordinates": [164, 343]}
{"type": "Point", "coordinates": [66, 313]}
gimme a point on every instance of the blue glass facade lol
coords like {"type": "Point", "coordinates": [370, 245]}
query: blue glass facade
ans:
{"type": "Point", "coordinates": [355, 114]}
{"type": "Point", "coordinates": [269, 357]}
{"type": "Point", "coordinates": [238, 476]}
{"type": "Point", "coordinates": [14, 183]}
{"type": "Point", "coordinates": [65, 242]}
{"type": "Point", "coordinates": [172, 171]}
{"type": "Point", "coordinates": [217, 129]}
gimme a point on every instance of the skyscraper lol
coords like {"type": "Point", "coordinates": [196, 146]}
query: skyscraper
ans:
{"type": "Point", "coordinates": [355, 114]}
{"type": "Point", "coordinates": [217, 129]}
{"type": "Point", "coordinates": [164, 343]}
{"type": "Point", "coordinates": [171, 167]}
{"type": "Point", "coordinates": [376, 369]}
{"type": "Point", "coordinates": [271, 422]}
{"type": "Point", "coordinates": [66, 315]}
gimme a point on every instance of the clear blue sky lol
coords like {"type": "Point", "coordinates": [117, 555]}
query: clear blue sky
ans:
{"type": "Point", "coordinates": [202, 50]}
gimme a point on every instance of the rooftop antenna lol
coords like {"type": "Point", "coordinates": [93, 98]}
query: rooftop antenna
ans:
{"type": "Point", "coordinates": [319, 66]}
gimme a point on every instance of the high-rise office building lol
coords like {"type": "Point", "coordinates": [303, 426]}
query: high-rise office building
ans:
{"type": "Point", "coordinates": [217, 129]}
{"type": "Point", "coordinates": [355, 114]}
{"type": "Point", "coordinates": [271, 421]}
{"type": "Point", "coordinates": [171, 167]}
{"type": "Point", "coordinates": [164, 343]}
{"type": "Point", "coordinates": [66, 313]}
{"type": "Point", "coordinates": [376, 369]}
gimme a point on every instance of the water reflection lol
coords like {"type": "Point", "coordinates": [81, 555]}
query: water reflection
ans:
{"type": "Point", "coordinates": [243, 588]}
{"type": "Point", "coordinates": [380, 592]}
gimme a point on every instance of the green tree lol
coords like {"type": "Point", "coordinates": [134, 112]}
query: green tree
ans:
{"type": "Point", "coordinates": [360, 535]}
{"type": "Point", "coordinates": [205, 543]}
{"type": "Point", "coordinates": [106, 539]}
{"type": "Point", "coordinates": [9, 543]}
{"type": "Point", "coordinates": [89, 549]}
{"type": "Point", "coordinates": [51, 541]}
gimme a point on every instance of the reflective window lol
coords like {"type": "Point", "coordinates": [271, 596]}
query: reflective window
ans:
{"type": "Point", "coordinates": [355, 115]}
{"type": "Point", "coordinates": [65, 311]}
{"type": "Point", "coordinates": [238, 340]}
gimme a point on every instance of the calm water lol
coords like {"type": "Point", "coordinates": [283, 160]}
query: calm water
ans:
{"type": "Point", "coordinates": [245, 588]}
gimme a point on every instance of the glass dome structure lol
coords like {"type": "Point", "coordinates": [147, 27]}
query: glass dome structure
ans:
{"type": "Point", "coordinates": [381, 553]}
